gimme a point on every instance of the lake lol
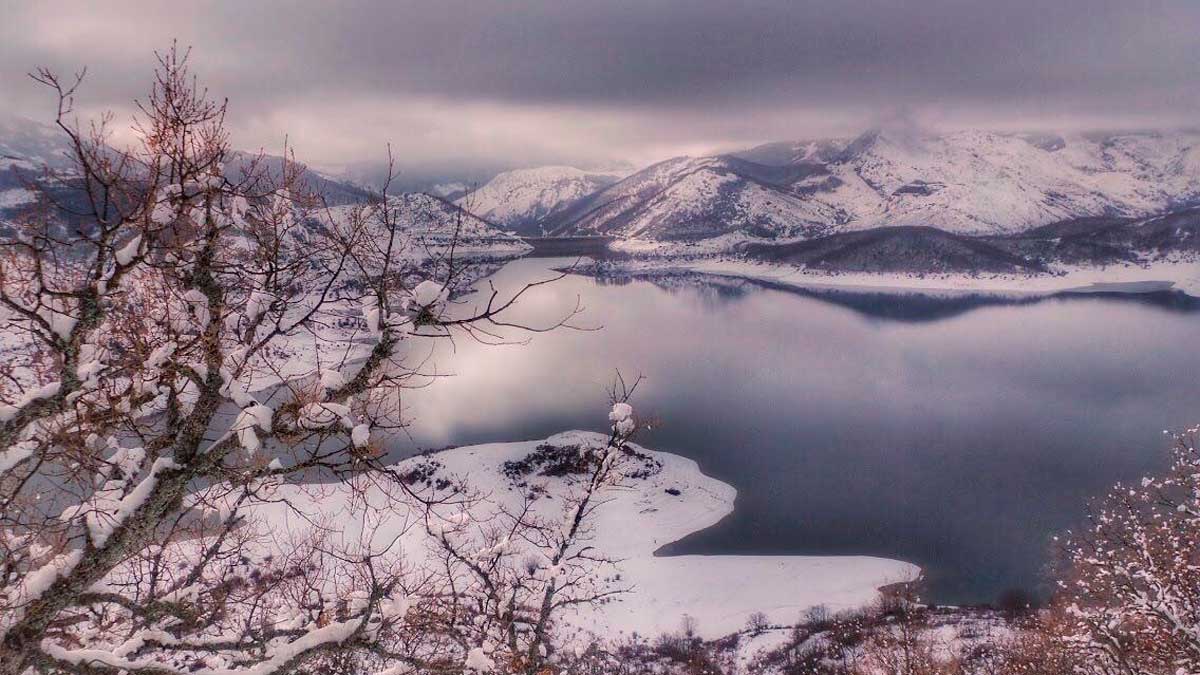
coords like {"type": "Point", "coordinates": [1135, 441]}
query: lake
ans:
{"type": "Point", "coordinates": [957, 433]}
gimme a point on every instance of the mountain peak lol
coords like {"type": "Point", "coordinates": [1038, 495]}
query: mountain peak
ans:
{"type": "Point", "coordinates": [522, 199]}
{"type": "Point", "coordinates": [965, 182]}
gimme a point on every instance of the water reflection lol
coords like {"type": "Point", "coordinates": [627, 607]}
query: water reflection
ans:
{"type": "Point", "coordinates": [892, 306]}
{"type": "Point", "coordinates": [959, 440]}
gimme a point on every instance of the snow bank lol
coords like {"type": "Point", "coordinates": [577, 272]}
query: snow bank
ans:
{"type": "Point", "coordinates": [15, 197]}
{"type": "Point", "coordinates": [1181, 274]}
{"type": "Point", "coordinates": [719, 592]}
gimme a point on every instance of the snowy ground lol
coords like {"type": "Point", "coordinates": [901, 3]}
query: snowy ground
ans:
{"type": "Point", "coordinates": [1181, 274]}
{"type": "Point", "coordinates": [953, 635]}
{"type": "Point", "coordinates": [718, 592]}
{"type": "Point", "coordinates": [16, 197]}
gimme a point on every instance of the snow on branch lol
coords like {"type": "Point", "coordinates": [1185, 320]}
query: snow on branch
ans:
{"type": "Point", "coordinates": [212, 328]}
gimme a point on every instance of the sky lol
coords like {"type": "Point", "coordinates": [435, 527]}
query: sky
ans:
{"type": "Point", "coordinates": [604, 82]}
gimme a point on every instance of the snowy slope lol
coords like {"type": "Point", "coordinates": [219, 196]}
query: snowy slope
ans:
{"type": "Point", "coordinates": [602, 212]}
{"type": "Point", "coordinates": [716, 199]}
{"type": "Point", "coordinates": [429, 221]}
{"type": "Point", "coordinates": [986, 183]}
{"type": "Point", "coordinates": [519, 200]}
{"type": "Point", "coordinates": [970, 182]}
{"type": "Point", "coordinates": [26, 147]}
{"type": "Point", "coordinates": [686, 198]}
{"type": "Point", "coordinates": [30, 144]}
{"type": "Point", "coordinates": [720, 592]}
{"type": "Point", "coordinates": [332, 189]}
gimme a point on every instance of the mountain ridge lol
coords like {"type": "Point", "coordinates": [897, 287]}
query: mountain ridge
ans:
{"type": "Point", "coordinates": [28, 147]}
{"type": "Point", "coordinates": [970, 182]}
{"type": "Point", "coordinates": [522, 199]}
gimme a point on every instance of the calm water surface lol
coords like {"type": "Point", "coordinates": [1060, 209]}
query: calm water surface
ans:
{"type": "Point", "coordinates": [958, 434]}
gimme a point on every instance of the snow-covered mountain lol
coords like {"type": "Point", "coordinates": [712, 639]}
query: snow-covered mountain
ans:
{"type": "Point", "coordinates": [521, 200]}
{"type": "Point", "coordinates": [687, 198]}
{"type": "Point", "coordinates": [26, 148]}
{"type": "Point", "coordinates": [430, 222]}
{"type": "Point", "coordinates": [970, 182]}
{"type": "Point", "coordinates": [25, 143]}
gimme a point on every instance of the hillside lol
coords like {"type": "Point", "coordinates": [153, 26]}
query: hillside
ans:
{"type": "Point", "coordinates": [433, 223]}
{"type": "Point", "coordinates": [927, 250]}
{"type": "Point", "coordinates": [26, 148]}
{"type": "Point", "coordinates": [521, 200]}
{"type": "Point", "coordinates": [29, 147]}
{"type": "Point", "coordinates": [966, 183]}
{"type": "Point", "coordinates": [902, 249]}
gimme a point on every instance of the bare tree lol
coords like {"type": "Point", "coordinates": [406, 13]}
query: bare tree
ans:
{"type": "Point", "coordinates": [904, 647]}
{"type": "Point", "coordinates": [509, 573]}
{"type": "Point", "coordinates": [195, 330]}
{"type": "Point", "coordinates": [1034, 648]}
{"type": "Point", "coordinates": [757, 623]}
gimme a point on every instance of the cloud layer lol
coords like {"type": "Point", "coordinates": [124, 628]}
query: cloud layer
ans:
{"type": "Point", "coordinates": [526, 82]}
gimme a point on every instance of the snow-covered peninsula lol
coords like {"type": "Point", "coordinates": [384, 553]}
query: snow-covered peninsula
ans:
{"type": "Point", "coordinates": [640, 516]}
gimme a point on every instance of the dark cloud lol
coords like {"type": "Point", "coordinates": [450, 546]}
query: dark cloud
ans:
{"type": "Point", "coordinates": [560, 80]}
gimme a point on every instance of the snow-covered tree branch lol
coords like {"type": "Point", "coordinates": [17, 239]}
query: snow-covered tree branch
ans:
{"type": "Point", "coordinates": [1133, 590]}
{"type": "Point", "coordinates": [188, 328]}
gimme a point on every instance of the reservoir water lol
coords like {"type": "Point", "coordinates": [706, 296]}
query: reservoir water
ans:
{"type": "Point", "coordinates": [959, 433]}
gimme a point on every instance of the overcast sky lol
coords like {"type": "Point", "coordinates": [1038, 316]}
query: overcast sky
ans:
{"type": "Point", "coordinates": [526, 83]}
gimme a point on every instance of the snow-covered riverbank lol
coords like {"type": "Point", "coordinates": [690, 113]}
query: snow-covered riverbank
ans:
{"type": "Point", "coordinates": [718, 592]}
{"type": "Point", "coordinates": [1172, 274]}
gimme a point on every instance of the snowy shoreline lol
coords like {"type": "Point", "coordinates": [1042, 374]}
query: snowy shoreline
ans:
{"type": "Point", "coordinates": [1174, 275]}
{"type": "Point", "coordinates": [719, 592]}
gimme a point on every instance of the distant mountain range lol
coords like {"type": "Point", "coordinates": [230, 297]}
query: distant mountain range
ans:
{"type": "Point", "coordinates": [966, 183]}
{"type": "Point", "coordinates": [971, 199]}
{"type": "Point", "coordinates": [28, 147]}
